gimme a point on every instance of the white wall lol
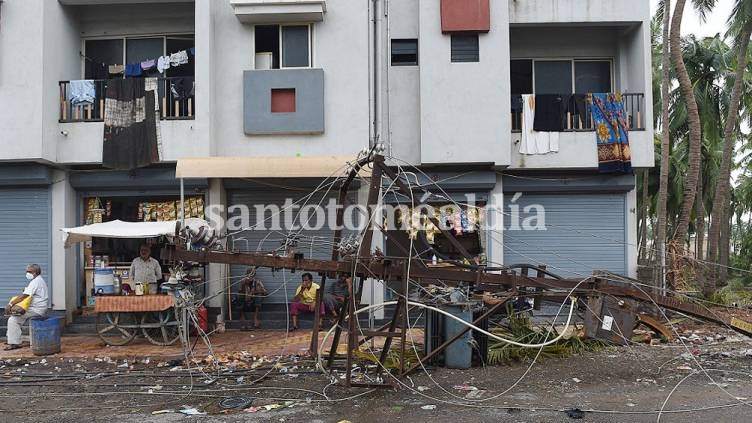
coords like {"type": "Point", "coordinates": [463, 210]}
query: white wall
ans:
{"type": "Point", "coordinates": [577, 150]}
{"type": "Point", "coordinates": [60, 61]}
{"type": "Point", "coordinates": [402, 120]}
{"type": "Point", "coordinates": [84, 141]}
{"type": "Point", "coordinates": [464, 106]}
{"type": "Point", "coordinates": [636, 76]}
{"type": "Point", "coordinates": [569, 11]}
{"type": "Point", "coordinates": [21, 37]}
{"type": "Point", "coordinates": [340, 49]}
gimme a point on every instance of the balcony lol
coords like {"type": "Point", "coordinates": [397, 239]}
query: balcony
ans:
{"type": "Point", "coordinates": [176, 101]}
{"type": "Point", "coordinates": [577, 142]}
{"type": "Point", "coordinates": [634, 105]}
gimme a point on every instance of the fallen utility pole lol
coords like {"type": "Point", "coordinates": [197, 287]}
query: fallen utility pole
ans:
{"type": "Point", "coordinates": [506, 281]}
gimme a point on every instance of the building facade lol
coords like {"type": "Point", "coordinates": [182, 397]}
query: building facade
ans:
{"type": "Point", "coordinates": [438, 83]}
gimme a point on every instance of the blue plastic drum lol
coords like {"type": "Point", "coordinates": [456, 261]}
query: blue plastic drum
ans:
{"type": "Point", "coordinates": [45, 335]}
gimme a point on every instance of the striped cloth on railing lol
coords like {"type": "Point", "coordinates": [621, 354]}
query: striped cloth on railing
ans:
{"type": "Point", "coordinates": [132, 303]}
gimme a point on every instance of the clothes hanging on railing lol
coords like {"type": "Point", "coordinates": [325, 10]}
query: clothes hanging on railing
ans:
{"type": "Point", "coordinates": [130, 138]}
{"type": "Point", "coordinates": [533, 141]}
{"type": "Point", "coordinates": [612, 133]}
{"type": "Point", "coordinates": [576, 110]}
{"type": "Point", "coordinates": [81, 92]}
{"type": "Point", "coordinates": [148, 64]}
{"type": "Point", "coordinates": [549, 116]}
{"type": "Point", "coordinates": [133, 69]}
{"type": "Point", "coordinates": [116, 69]}
{"type": "Point", "coordinates": [152, 84]}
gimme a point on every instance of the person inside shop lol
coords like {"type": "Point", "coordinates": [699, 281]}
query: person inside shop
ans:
{"type": "Point", "coordinates": [305, 300]}
{"type": "Point", "coordinates": [146, 269]}
{"type": "Point", "coordinates": [31, 304]}
{"type": "Point", "coordinates": [337, 295]}
{"type": "Point", "coordinates": [252, 292]}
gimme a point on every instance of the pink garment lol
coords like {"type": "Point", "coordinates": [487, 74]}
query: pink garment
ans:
{"type": "Point", "coordinates": [297, 307]}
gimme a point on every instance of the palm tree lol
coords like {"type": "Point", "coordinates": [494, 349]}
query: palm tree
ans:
{"type": "Point", "coordinates": [665, 146]}
{"type": "Point", "coordinates": [740, 25]}
{"type": "Point", "coordinates": [695, 132]}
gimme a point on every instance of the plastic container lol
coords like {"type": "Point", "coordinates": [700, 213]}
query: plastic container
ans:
{"type": "Point", "coordinates": [45, 335]}
{"type": "Point", "coordinates": [104, 281]}
{"type": "Point", "coordinates": [459, 354]}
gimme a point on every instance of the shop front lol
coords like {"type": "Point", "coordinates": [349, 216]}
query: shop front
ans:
{"type": "Point", "coordinates": [146, 195]}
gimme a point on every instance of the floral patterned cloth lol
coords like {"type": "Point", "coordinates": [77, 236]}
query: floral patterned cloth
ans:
{"type": "Point", "coordinates": [612, 133]}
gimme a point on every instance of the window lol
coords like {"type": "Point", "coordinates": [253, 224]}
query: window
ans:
{"type": "Point", "coordinates": [465, 48]}
{"type": "Point", "coordinates": [560, 76]}
{"type": "Point", "coordinates": [288, 45]}
{"type": "Point", "coordinates": [521, 72]}
{"type": "Point", "coordinates": [592, 76]}
{"type": "Point", "coordinates": [119, 51]}
{"type": "Point", "coordinates": [553, 76]}
{"type": "Point", "coordinates": [405, 52]}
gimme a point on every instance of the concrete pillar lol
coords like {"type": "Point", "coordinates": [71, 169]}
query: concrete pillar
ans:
{"type": "Point", "coordinates": [62, 275]}
{"type": "Point", "coordinates": [218, 274]}
{"type": "Point", "coordinates": [631, 237]}
{"type": "Point", "coordinates": [373, 289]}
{"type": "Point", "coordinates": [494, 224]}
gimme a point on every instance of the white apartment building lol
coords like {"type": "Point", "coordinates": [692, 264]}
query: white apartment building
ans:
{"type": "Point", "coordinates": [307, 83]}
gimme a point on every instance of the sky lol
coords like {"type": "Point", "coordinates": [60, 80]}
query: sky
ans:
{"type": "Point", "coordinates": [715, 23]}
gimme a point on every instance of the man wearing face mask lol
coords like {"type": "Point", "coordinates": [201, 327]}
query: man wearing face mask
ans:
{"type": "Point", "coordinates": [37, 290]}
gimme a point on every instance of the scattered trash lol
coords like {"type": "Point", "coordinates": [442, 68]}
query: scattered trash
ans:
{"type": "Point", "coordinates": [423, 388]}
{"type": "Point", "coordinates": [191, 412]}
{"type": "Point", "coordinates": [253, 409]}
{"type": "Point", "coordinates": [429, 407]}
{"type": "Point", "coordinates": [475, 394]}
{"type": "Point", "coordinates": [631, 404]}
{"type": "Point", "coordinates": [154, 413]}
{"type": "Point", "coordinates": [684, 368]}
{"type": "Point", "coordinates": [344, 421]}
{"type": "Point", "coordinates": [575, 413]}
{"type": "Point", "coordinates": [576, 380]}
{"type": "Point", "coordinates": [465, 388]}
{"type": "Point", "coordinates": [235, 402]}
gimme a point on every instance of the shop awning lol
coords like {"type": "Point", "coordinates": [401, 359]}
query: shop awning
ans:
{"type": "Point", "coordinates": [120, 229]}
{"type": "Point", "coordinates": [263, 167]}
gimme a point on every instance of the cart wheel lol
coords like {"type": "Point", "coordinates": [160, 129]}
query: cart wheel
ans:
{"type": "Point", "coordinates": [160, 327]}
{"type": "Point", "coordinates": [116, 328]}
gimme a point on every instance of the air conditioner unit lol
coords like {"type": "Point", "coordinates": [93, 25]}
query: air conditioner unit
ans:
{"type": "Point", "coordinates": [264, 60]}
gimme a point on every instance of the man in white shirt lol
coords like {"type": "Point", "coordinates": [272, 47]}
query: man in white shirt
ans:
{"type": "Point", "coordinates": [37, 290]}
{"type": "Point", "coordinates": [145, 268]}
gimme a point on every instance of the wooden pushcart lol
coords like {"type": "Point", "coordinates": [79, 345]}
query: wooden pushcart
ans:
{"type": "Point", "coordinates": [121, 318]}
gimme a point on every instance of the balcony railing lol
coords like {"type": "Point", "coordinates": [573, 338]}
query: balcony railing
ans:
{"type": "Point", "coordinates": [176, 101]}
{"type": "Point", "coordinates": [634, 105]}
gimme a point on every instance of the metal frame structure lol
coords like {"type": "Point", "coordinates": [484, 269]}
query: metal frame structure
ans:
{"type": "Point", "coordinates": [507, 281]}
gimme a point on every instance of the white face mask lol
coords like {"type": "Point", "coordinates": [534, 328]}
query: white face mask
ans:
{"type": "Point", "coordinates": [29, 276]}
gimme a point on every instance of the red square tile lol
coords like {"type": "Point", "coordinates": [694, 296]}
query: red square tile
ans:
{"type": "Point", "coordinates": [283, 100]}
